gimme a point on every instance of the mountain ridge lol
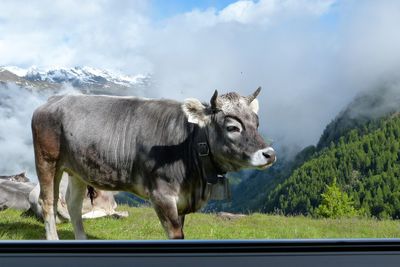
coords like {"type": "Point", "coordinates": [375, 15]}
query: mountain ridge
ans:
{"type": "Point", "coordinates": [85, 79]}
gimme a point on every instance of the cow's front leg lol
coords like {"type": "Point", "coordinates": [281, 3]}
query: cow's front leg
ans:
{"type": "Point", "coordinates": [167, 211]}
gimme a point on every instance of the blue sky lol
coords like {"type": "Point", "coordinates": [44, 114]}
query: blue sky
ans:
{"type": "Point", "coordinates": [164, 9]}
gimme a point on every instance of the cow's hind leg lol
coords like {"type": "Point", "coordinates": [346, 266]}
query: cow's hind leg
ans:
{"type": "Point", "coordinates": [75, 194]}
{"type": "Point", "coordinates": [49, 179]}
{"type": "Point", "coordinates": [46, 143]}
{"type": "Point", "coordinates": [167, 212]}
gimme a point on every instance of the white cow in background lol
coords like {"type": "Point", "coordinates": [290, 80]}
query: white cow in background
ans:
{"type": "Point", "coordinates": [18, 192]}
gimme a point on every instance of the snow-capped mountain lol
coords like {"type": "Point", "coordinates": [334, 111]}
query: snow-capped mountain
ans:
{"type": "Point", "coordinates": [85, 79]}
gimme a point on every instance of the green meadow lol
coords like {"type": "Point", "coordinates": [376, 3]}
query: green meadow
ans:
{"type": "Point", "coordinates": [143, 224]}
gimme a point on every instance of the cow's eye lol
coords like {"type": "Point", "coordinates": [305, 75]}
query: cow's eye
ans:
{"type": "Point", "coordinates": [232, 129]}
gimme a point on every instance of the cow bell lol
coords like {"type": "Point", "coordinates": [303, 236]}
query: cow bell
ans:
{"type": "Point", "coordinates": [221, 189]}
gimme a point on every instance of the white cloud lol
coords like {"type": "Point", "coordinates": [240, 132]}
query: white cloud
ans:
{"type": "Point", "coordinates": [265, 11]}
{"type": "Point", "coordinates": [68, 33]}
{"type": "Point", "coordinates": [245, 12]}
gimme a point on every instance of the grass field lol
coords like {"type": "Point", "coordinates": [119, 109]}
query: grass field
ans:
{"type": "Point", "coordinates": [142, 223]}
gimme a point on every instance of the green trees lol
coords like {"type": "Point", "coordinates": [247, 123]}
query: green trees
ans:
{"type": "Point", "coordinates": [335, 203]}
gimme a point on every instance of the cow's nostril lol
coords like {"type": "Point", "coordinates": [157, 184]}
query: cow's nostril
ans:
{"type": "Point", "coordinates": [266, 155]}
{"type": "Point", "coordinates": [269, 154]}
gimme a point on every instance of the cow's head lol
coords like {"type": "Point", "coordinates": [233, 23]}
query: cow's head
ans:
{"type": "Point", "coordinates": [232, 126]}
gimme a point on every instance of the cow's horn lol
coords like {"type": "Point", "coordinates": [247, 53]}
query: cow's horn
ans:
{"type": "Point", "coordinates": [214, 101]}
{"type": "Point", "coordinates": [253, 96]}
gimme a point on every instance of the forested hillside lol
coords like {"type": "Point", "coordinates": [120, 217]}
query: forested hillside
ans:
{"type": "Point", "coordinates": [366, 164]}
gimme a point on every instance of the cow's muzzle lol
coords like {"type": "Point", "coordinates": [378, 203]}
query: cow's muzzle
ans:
{"type": "Point", "coordinates": [269, 154]}
{"type": "Point", "coordinates": [263, 158]}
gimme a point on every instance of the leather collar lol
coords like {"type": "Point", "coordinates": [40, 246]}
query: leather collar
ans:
{"type": "Point", "coordinates": [210, 170]}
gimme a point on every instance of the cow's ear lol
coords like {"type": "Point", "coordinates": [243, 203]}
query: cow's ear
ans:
{"type": "Point", "coordinates": [195, 111]}
{"type": "Point", "coordinates": [254, 106]}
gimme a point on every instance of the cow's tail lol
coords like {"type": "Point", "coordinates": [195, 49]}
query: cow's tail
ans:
{"type": "Point", "coordinates": [92, 194]}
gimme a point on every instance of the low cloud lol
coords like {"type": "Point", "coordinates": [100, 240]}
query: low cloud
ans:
{"type": "Point", "coordinates": [16, 108]}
